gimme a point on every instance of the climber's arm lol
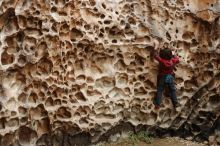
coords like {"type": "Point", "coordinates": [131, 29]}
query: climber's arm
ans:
{"type": "Point", "coordinates": [176, 58]}
{"type": "Point", "coordinates": [156, 51]}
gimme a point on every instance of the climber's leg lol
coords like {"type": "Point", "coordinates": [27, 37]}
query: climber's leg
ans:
{"type": "Point", "coordinates": [172, 89]}
{"type": "Point", "coordinates": [160, 88]}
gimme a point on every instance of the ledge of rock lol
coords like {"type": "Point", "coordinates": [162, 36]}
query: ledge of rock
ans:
{"type": "Point", "coordinates": [77, 72]}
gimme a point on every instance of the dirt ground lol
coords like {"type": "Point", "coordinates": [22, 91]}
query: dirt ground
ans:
{"type": "Point", "coordinates": [156, 142]}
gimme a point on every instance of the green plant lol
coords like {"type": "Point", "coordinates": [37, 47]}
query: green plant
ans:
{"type": "Point", "coordinates": [133, 138]}
{"type": "Point", "coordinates": [145, 137]}
{"type": "Point", "coordinates": [140, 136]}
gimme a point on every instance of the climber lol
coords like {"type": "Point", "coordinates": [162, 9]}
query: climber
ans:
{"type": "Point", "coordinates": [165, 77]}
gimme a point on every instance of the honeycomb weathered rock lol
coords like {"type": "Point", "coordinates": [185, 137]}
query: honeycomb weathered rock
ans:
{"type": "Point", "coordinates": [76, 72]}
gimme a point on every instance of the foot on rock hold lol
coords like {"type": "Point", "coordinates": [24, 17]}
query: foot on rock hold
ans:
{"type": "Point", "coordinates": [157, 107]}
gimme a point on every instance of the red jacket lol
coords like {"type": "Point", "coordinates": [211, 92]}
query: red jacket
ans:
{"type": "Point", "coordinates": [166, 66]}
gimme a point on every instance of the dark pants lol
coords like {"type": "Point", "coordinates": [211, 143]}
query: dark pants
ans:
{"type": "Point", "coordinates": [162, 81]}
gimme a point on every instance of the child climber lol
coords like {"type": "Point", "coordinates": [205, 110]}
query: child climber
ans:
{"type": "Point", "coordinates": [166, 75]}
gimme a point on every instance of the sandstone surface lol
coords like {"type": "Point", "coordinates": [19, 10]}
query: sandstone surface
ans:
{"type": "Point", "coordinates": [75, 72]}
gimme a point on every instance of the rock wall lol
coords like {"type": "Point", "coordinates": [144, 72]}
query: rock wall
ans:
{"type": "Point", "coordinates": [74, 72]}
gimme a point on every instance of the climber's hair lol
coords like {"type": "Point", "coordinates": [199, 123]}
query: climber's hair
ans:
{"type": "Point", "coordinates": [166, 54]}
